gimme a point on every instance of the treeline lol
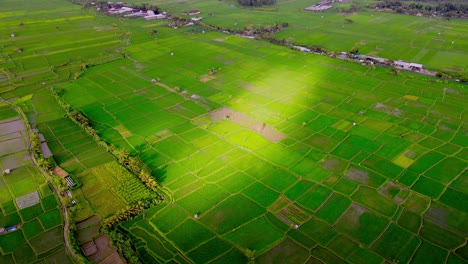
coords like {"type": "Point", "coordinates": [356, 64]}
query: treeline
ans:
{"type": "Point", "coordinates": [146, 7]}
{"type": "Point", "coordinates": [256, 2]}
{"type": "Point", "coordinates": [119, 239]}
{"type": "Point", "coordinates": [445, 8]}
{"type": "Point", "coordinates": [133, 164]}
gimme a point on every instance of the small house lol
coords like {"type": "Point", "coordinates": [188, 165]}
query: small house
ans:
{"type": "Point", "coordinates": [60, 172]}
{"type": "Point", "coordinates": [11, 228]}
{"type": "Point", "coordinates": [192, 12]}
{"type": "Point", "coordinates": [156, 16]}
{"type": "Point", "coordinates": [415, 66]}
{"type": "Point", "coordinates": [408, 66]}
{"type": "Point", "coordinates": [69, 181]}
{"type": "Point", "coordinates": [401, 64]}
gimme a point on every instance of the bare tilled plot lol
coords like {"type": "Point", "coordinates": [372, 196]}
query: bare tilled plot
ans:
{"type": "Point", "coordinates": [11, 126]}
{"type": "Point", "coordinates": [244, 120]}
{"type": "Point", "coordinates": [27, 200]}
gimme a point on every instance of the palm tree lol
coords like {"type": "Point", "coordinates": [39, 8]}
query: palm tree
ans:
{"type": "Point", "coordinates": [122, 155]}
{"type": "Point", "coordinates": [250, 254]}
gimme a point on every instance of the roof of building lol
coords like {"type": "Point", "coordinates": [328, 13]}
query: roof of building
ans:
{"type": "Point", "coordinates": [192, 12]}
{"type": "Point", "coordinates": [60, 172]}
{"type": "Point", "coordinates": [416, 65]}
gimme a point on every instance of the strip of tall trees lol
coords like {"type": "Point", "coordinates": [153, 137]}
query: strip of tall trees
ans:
{"type": "Point", "coordinates": [256, 2]}
{"type": "Point", "coordinates": [453, 8]}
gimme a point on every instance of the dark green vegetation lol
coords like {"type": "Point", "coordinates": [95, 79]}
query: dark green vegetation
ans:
{"type": "Point", "coordinates": [310, 159]}
{"type": "Point", "coordinates": [256, 2]}
{"type": "Point", "coordinates": [450, 8]}
{"type": "Point", "coordinates": [437, 43]}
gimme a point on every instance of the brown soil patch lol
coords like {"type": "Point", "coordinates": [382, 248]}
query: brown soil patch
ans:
{"type": "Point", "coordinates": [219, 39]}
{"type": "Point", "coordinates": [104, 249]}
{"type": "Point", "coordinates": [388, 110]}
{"type": "Point", "coordinates": [357, 175]}
{"type": "Point", "coordinates": [89, 248]}
{"type": "Point", "coordinates": [286, 221]}
{"type": "Point", "coordinates": [123, 131]}
{"type": "Point", "coordinates": [246, 121]}
{"type": "Point", "coordinates": [10, 126]}
{"type": "Point", "coordinates": [207, 78]}
{"type": "Point", "coordinates": [112, 259]}
{"type": "Point", "coordinates": [60, 172]}
{"type": "Point", "coordinates": [353, 214]}
{"type": "Point", "coordinates": [390, 189]}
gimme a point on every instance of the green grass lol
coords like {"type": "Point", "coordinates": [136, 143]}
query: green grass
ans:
{"type": "Point", "coordinates": [343, 246]}
{"type": "Point", "coordinates": [51, 219]}
{"type": "Point", "coordinates": [319, 231]}
{"type": "Point", "coordinates": [286, 252]}
{"type": "Point", "coordinates": [428, 187]}
{"type": "Point", "coordinates": [9, 207]}
{"type": "Point", "coordinates": [430, 252]}
{"type": "Point", "coordinates": [314, 198]}
{"type": "Point", "coordinates": [190, 234]}
{"type": "Point", "coordinates": [11, 241]}
{"type": "Point", "coordinates": [29, 213]}
{"type": "Point", "coordinates": [232, 213]}
{"type": "Point", "coordinates": [210, 250]}
{"type": "Point", "coordinates": [361, 224]}
{"type": "Point", "coordinates": [392, 242]}
{"type": "Point", "coordinates": [298, 189]}
{"type": "Point", "coordinates": [333, 208]}
{"type": "Point", "coordinates": [364, 255]}
{"type": "Point", "coordinates": [440, 236]}
{"type": "Point", "coordinates": [373, 200]}
{"type": "Point", "coordinates": [261, 194]}
{"type": "Point", "coordinates": [32, 229]}
{"type": "Point", "coordinates": [255, 235]}
{"type": "Point", "coordinates": [47, 240]}
{"type": "Point", "coordinates": [168, 218]}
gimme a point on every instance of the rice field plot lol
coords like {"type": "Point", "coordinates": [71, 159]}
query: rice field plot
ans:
{"type": "Point", "coordinates": [110, 182]}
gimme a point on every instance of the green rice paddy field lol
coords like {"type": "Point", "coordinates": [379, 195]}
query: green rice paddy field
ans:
{"type": "Point", "coordinates": [295, 156]}
{"type": "Point", "coordinates": [416, 39]}
{"type": "Point", "coordinates": [369, 166]}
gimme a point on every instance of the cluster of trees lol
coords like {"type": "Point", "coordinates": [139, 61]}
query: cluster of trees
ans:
{"type": "Point", "coordinates": [124, 246]}
{"type": "Point", "coordinates": [447, 8]}
{"type": "Point", "coordinates": [451, 75]}
{"type": "Point", "coordinates": [36, 149]}
{"type": "Point", "coordinates": [264, 32]}
{"type": "Point", "coordinates": [128, 213]}
{"type": "Point", "coordinates": [46, 164]}
{"type": "Point", "coordinates": [146, 7]}
{"type": "Point", "coordinates": [256, 2]}
{"type": "Point", "coordinates": [133, 164]}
